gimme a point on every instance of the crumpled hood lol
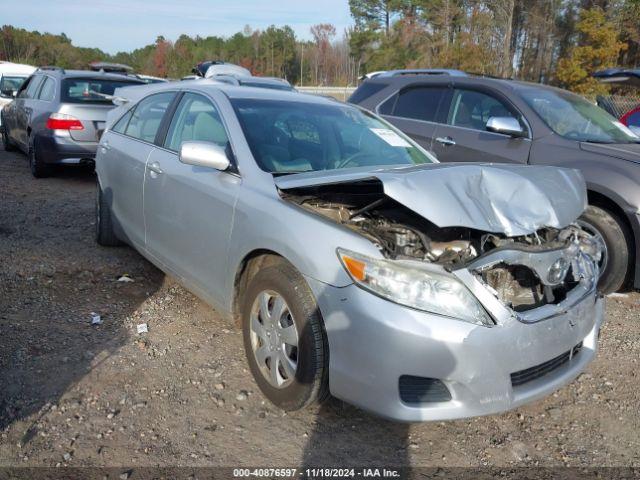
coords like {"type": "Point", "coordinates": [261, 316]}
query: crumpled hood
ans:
{"type": "Point", "coordinates": [508, 199]}
{"type": "Point", "coordinates": [625, 151]}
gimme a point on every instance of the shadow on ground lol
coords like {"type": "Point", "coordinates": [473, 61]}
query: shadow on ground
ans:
{"type": "Point", "coordinates": [52, 276]}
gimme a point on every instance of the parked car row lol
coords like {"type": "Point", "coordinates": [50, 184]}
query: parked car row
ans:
{"type": "Point", "coordinates": [357, 264]}
{"type": "Point", "coordinates": [466, 118]}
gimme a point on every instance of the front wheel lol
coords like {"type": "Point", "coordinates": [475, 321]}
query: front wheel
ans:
{"type": "Point", "coordinates": [614, 265]}
{"type": "Point", "coordinates": [284, 338]}
{"type": "Point", "coordinates": [6, 141]}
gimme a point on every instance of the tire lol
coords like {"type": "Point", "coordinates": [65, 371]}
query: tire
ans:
{"type": "Point", "coordinates": [614, 234]}
{"type": "Point", "coordinates": [39, 169]}
{"type": "Point", "coordinates": [309, 384]}
{"type": "Point", "coordinates": [105, 234]}
{"type": "Point", "coordinates": [6, 142]}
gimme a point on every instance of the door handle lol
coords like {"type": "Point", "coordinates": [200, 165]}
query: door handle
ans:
{"type": "Point", "coordinates": [105, 146]}
{"type": "Point", "coordinates": [155, 168]}
{"type": "Point", "coordinates": [446, 141]}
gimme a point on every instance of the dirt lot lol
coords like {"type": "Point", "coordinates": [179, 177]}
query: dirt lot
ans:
{"type": "Point", "coordinates": [82, 395]}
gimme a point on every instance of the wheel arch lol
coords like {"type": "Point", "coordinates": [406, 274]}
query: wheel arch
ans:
{"type": "Point", "coordinates": [250, 264]}
{"type": "Point", "coordinates": [605, 202]}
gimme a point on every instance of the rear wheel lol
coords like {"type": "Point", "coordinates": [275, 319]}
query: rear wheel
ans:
{"type": "Point", "coordinates": [105, 234]}
{"type": "Point", "coordinates": [614, 266]}
{"type": "Point", "coordinates": [39, 169]}
{"type": "Point", "coordinates": [284, 338]}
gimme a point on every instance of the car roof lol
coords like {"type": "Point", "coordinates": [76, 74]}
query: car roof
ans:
{"type": "Point", "coordinates": [231, 91]}
{"type": "Point", "coordinates": [476, 80]}
{"type": "Point", "coordinates": [87, 74]}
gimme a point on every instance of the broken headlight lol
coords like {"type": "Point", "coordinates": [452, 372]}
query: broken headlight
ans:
{"type": "Point", "coordinates": [414, 286]}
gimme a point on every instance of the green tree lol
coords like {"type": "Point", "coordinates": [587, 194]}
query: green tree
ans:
{"type": "Point", "coordinates": [598, 48]}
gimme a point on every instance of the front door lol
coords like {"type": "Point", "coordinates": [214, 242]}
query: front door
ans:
{"type": "Point", "coordinates": [189, 209]}
{"type": "Point", "coordinates": [463, 136]}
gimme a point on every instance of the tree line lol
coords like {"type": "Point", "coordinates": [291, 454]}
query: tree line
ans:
{"type": "Point", "coordinates": [551, 41]}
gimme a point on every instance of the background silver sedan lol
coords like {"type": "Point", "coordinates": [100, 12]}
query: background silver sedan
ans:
{"type": "Point", "coordinates": [355, 263]}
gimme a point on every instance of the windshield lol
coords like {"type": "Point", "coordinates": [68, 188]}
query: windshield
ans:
{"type": "Point", "coordinates": [575, 118]}
{"type": "Point", "coordinates": [91, 90]}
{"type": "Point", "coordinates": [11, 83]}
{"type": "Point", "coordinates": [291, 137]}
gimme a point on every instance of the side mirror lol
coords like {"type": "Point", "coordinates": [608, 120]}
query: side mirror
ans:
{"type": "Point", "coordinates": [204, 154]}
{"type": "Point", "coordinates": [8, 93]}
{"type": "Point", "coordinates": [505, 125]}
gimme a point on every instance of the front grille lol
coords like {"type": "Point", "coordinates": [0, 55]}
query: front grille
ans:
{"type": "Point", "coordinates": [533, 373]}
{"type": "Point", "coordinates": [415, 390]}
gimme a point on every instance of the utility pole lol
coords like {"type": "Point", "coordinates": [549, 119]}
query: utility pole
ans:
{"type": "Point", "coordinates": [301, 62]}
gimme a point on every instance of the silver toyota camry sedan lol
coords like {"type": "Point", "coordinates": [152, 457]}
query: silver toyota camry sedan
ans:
{"type": "Point", "coordinates": [355, 263]}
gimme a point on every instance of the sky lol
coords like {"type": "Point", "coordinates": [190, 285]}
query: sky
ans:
{"type": "Point", "coordinates": [123, 25]}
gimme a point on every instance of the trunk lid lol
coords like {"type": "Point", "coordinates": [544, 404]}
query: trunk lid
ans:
{"type": "Point", "coordinates": [93, 118]}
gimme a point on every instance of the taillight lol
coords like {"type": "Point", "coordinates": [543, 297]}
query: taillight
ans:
{"type": "Point", "coordinates": [62, 121]}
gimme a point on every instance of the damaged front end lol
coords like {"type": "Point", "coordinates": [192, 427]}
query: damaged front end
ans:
{"type": "Point", "coordinates": [534, 271]}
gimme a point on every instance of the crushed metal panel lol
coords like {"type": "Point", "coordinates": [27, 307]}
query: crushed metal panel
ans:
{"type": "Point", "coordinates": [509, 199]}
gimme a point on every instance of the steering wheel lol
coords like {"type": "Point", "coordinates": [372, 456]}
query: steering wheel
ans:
{"type": "Point", "coordinates": [352, 159]}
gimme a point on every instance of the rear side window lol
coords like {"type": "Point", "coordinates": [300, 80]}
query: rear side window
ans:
{"type": "Point", "coordinates": [48, 89]}
{"type": "Point", "coordinates": [32, 88]}
{"type": "Point", "coordinates": [121, 125]}
{"type": "Point", "coordinates": [90, 90]}
{"type": "Point", "coordinates": [147, 116]}
{"type": "Point", "coordinates": [364, 91]}
{"type": "Point", "coordinates": [420, 103]}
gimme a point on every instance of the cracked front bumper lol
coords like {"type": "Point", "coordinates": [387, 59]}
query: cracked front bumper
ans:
{"type": "Point", "coordinates": [373, 342]}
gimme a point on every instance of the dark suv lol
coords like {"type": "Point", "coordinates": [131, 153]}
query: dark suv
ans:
{"type": "Point", "coordinates": [58, 116]}
{"type": "Point", "coordinates": [467, 118]}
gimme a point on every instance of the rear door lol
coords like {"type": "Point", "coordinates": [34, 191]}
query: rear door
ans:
{"type": "Point", "coordinates": [463, 137]}
{"type": "Point", "coordinates": [416, 110]}
{"type": "Point", "coordinates": [188, 209]}
{"type": "Point", "coordinates": [24, 110]}
{"type": "Point", "coordinates": [124, 153]}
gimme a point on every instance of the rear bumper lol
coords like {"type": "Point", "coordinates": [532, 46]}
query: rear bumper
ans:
{"type": "Point", "coordinates": [62, 150]}
{"type": "Point", "coordinates": [374, 342]}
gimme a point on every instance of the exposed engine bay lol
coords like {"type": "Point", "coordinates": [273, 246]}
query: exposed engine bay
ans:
{"type": "Point", "coordinates": [524, 272]}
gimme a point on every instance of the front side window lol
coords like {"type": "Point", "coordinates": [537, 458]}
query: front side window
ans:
{"type": "Point", "coordinates": [473, 109]}
{"type": "Point", "coordinates": [195, 119]}
{"type": "Point", "coordinates": [91, 90]}
{"type": "Point", "coordinates": [574, 118]}
{"type": "Point", "coordinates": [48, 89]}
{"type": "Point", "coordinates": [10, 84]}
{"type": "Point", "coordinates": [291, 137]}
{"type": "Point", "coordinates": [417, 103]}
{"type": "Point", "coordinates": [147, 116]}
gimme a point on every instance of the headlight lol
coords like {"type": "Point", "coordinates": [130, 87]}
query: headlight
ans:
{"type": "Point", "coordinates": [414, 286]}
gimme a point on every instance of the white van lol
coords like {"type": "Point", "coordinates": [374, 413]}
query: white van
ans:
{"type": "Point", "coordinates": [12, 75]}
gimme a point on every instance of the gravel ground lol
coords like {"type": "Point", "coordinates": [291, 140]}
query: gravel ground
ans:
{"type": "Point", "coordinates": [81, 395]}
